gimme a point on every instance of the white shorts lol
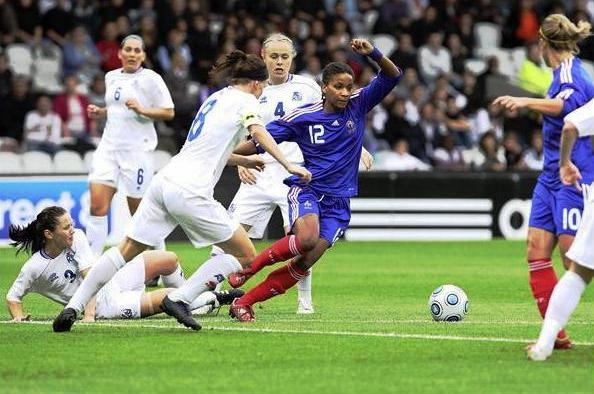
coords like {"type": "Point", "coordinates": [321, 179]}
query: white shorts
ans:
{"type": "Point", "coordinates": [582, 119]}
{"type": "Point", "coordinates": [133, 169]}
{"type": "Point", "coordinates": [165, 205]}
{"type": "Point", "coordinates": [253, 205]}
{"type": "Point", "coordinates": [120, 297]}
{"type": "Point", "coordinates": [581, 250]}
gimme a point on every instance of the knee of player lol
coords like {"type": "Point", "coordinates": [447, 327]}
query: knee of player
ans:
{"type": "Point", "coordinates": [246, 258]}
{"type": "Point", "coordinates": [308, 240]}
{"type": "Point", "coordinates": [98, 208]}
{"type": "Point", "coordinates": [171, 260]}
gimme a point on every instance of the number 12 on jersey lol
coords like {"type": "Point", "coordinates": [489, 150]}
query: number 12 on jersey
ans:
{"type": "Point", "coordinates": [196, 127]}
{"type": "Point", "coordinates": [316, 132]}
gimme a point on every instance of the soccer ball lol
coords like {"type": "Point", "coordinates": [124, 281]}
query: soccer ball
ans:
{"type": "Point", "coordinates": [448, 303]}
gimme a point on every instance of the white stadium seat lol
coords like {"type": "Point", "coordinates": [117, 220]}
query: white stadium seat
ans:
{"type": "Point", "coordinates": [476, 66]}
{"type": "Point", "coordinates": [487, 35]}
{"type": "Point", "coordinates": [10, 163]}
{"type": "Point", "coordinates": [37, 163]}
{"type": "Point", "coordinates": [20, 59]}
{"type": "Point", "coordinates": [67, 161]}
{"type": "Point", "coordinates": [385, 43]}
{"type": "Point", "coordinates": [369, 19]}
{"type": "Point", "coordinates": [161, 158]}
{"type": "Point", "coordinates": [47, 73]}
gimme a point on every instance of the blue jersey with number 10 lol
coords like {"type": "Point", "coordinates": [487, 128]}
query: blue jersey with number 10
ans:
{"type": "Point", "coordinates": [331, 142]}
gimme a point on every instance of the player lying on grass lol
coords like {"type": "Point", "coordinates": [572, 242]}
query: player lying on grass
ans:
{"type": "Point", "coordinates": [569, 290]}
{"type": "Point", "coordinates": [330, 136]}
{"type": "Point", "coordinates": [61, 257]}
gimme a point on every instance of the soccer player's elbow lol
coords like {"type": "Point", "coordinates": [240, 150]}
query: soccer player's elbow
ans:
{"type": "Point", "coordinates": [569, 129]}
{"type": "Point", "coordinates": [170, 114]}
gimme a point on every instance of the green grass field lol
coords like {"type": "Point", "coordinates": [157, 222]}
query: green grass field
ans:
{"type": "Point", "coordinates": [371, 333]}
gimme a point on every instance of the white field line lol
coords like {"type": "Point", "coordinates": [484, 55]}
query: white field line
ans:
{"type": "Point", "coordinates": [127, 324]}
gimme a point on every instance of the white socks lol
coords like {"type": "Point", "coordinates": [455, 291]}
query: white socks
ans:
{"type": "Point", "coordinates": [101, 272]}
{"type": "Point", "coordinates": [97, 233]}
{"type": "Point", "coordinates": [304, 289]}
{"type": "Point", "coordinates": [204, 303]}
{"type": "Point", "coordinates": [175, 279]}
{"type": "Point", "coordinates": [160, 246]}
{"type": "Point", "coordinates": [564, 300]}
{"type": "Point", "coordinates": [208, 275]}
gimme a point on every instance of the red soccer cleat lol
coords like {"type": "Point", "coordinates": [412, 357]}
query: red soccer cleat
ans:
{"type": "Point", "coordinates": [243, 313]}
{"type": "Point", "coordinates": [237, 279]}
{"type": "Point", "coordinates": [563, 343]}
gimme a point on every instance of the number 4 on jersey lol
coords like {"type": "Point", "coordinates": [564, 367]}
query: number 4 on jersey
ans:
{"type": "Point", "coordinates": [196, 127]}
{"type": "Point", "coordinates": [279, 111]}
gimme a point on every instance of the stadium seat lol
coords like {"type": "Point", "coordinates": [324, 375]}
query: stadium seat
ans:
{"type": "Point", "coordinates": [369, 19]}
{"type": "Point", "coordinates": [46, 76]}
{"type": "Point", "coordinates": [37, 163]}
{"type": "Point", "coordinates": [385, 43]}
{"type": "Point", "coordinates": [476, 66]}
{"type": "Point", "coordinates": [161, 158]}
{"type": "Point", "coordinates": [506, 65]}
{"type": "Point", "coordinates": [20, 59]}
{"type": "Point", "coordinates": [67, 162]}
{"type": "Point", "coordinates": [88, 160]}
{"type": "Point", "coordinates": [589, 67]}
{"type": "Point", "coordinates": [487, 35]}
{"type": "Point", "coordinates": [10, 163]}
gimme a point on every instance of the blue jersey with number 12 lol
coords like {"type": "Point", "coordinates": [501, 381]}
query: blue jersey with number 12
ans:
{"type": "Point", "coordinates": [331, 142]}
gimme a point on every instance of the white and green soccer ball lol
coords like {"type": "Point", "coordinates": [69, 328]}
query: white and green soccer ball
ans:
{"type": "Point", "coordinates": [448, 303]}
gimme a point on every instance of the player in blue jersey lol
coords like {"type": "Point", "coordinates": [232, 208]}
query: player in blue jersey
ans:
{"type": "Point", "coordinates": [556, 208]}
{"type": "Point", "coordinates": [330, 136]}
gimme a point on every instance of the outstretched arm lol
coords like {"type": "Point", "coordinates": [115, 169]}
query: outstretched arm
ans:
{"type": "Point", "coordinates": [552, 107]}
{"type": "Point", "coordinates": [16, 311]}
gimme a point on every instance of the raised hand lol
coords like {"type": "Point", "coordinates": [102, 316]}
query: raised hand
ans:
{"type": "Point", "coordinates": [361, 46]}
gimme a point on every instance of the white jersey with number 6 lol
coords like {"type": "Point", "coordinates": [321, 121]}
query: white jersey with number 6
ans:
{"type": "Point", "coordinates": [125, 129]}
{"type": "Point", "coordinates": [221, 123]}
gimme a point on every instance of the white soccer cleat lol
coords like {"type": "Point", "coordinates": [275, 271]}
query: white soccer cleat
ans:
{"type": "Point", "coordinates": [536, 353]}
{"type": "Point", "coordinates": [304, 307]}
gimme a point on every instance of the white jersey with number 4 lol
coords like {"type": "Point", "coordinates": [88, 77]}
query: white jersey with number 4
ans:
{"type": "Point", "coordinates": [278, 100]}
{"type": "Point", "coordinates": [221, 123]}
{"type": "Point", "coordinates": [55, 278]}
{"type": "Point", "coordinates": [125, 129]}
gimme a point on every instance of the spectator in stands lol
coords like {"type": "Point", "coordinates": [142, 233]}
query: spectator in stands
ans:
{"type": "Point", "coordinates": [533, 76]}
{"type": "Point", "coordinates": [413, 104]}
{"type": "Point", "coordinates": [80, 55]}
{"type": "Point", "coordinates": [201, 46]}
{"type": "Point", "coordinates": [457, 123]}
{"type": "Point", "coordinates": [29, 30]}
{"type": "Point", "coordinates": [421, 29]}
{"type": "Point", "coordinates": [513, 150]}
{"type": "Point", "coordinates": [5, 76]}
{"type": "Point", "coordinates": [405, 54]}
{"type": "Point", "coordinates": [459, 54]}
{"type": "Point", "coordinates": [112, 10]}
{"type": "Point", "coordinates": [447, 156]}
{"type": "Point", "coordinates": [175, 44]}
{"type": "Point", "coordinates": [533, 158]}
{"type": "Point", "coordinates": [145, 8]}
{"type": "Point", "coordinates": [96, 96]}
{"type": "Point", "coordinates": [12, 113]}
{"type": "Point", "coordinates": [489, 156]}
{"type": "Point", "coordinates": [313, 68]}
{"type": "Point", "coordinates": [434, 58]}
{"type": "Point", "coordinates": [43, 127]}
{"type": "Point", "coordinates": [432, 123]}
{"type": "Point", "coordinates": [399, 159]}
{"type": "Point", "coordinates": [108, 47]}
{"type": "Point", "coordinates": [465, 30]}
{"type": "Point", "coordinates": [8, 23]}
{"type": "Point", "coordinates": [393, 14]}
{"type": "Point", "coordinates": [148, 32]}
{"type": "Point", "coordinates": [76, 124]}
{"type": "Point", "coordinates": [57, 22]}
{"type": "Point", "coordinates": [522, 25]}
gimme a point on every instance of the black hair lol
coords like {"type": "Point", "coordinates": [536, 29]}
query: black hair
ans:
{"type": "Point", "coordinates": [30, 237]}
{"type": "Point", "coordinates": [241, 67]}
{"type": "Point", "coordinates": [334, 68]}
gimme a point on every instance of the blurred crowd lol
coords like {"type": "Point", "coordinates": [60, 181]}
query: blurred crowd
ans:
{"type": "Point", "coordinates": [55, 53]}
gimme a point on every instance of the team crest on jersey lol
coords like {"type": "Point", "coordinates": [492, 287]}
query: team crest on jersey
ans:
{"type": "Point", "coordinates": [70, 257]}
{"type": "Point", "coordinates": [297, 96]}
{"type": "Point", "coordinates": [263, 100]}
{"type": "Point", "coordinates": [350, 125]}
{"type": "Point", "coordinates": [53, 277]}
{"type": "Point", "coordinates": [127, 313]}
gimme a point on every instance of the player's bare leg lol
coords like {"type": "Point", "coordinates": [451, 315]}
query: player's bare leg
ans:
{"type": "Point", "coordinates": [543, 278]}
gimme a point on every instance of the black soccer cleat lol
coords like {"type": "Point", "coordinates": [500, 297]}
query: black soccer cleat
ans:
{"type": "Point", "coordinates": [64, 321]}
{"type": "Point", "coordinates": [181, 312]}
{"type": "Point", "coordinates": [226, 297]}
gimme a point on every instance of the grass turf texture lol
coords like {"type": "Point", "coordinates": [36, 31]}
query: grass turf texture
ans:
{"type": "Point", "coordinates": [371, 333]}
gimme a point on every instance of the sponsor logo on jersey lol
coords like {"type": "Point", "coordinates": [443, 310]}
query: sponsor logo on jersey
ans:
{"type": "Point", "coordinates": [350, 126]}
{"type": "Point", "coordinates": [53, 277]}
{"type": "Point", "coordinates": [297, 96]}
{"type": "Point", "coordinates": [335, 123]}
{"type": "Point", "coordinates": [307, 205]}
{"type": "Point", "coordinates": [70, 257]}
{"type": "Point", "coordinates": [263, 100]}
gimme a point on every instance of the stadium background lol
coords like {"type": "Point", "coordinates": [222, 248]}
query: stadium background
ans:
{"type": "Point", "coordinates": [434, 138]}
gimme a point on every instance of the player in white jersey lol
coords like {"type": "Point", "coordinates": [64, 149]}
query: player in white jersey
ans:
{"type": "Point", "coordinates": [61, 257]}
{"type": "Point", "coordinates": [135, 98]}
{"type": "Point", "coordinates": [568, 291]}
{"type": "Point", "coordinates": [261, 192]}
{"type": "Point", "coordinates": [182, 194]}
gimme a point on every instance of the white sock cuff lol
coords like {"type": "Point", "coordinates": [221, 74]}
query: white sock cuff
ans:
{"type": "Point", "coordinates": [116, 258]}
{"type": "Point", "coordinates": [98, 219]}
{"type": "Point", "coordinates": [574, 280]}
{"type": "Point", "coordinates": [215, 251]}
